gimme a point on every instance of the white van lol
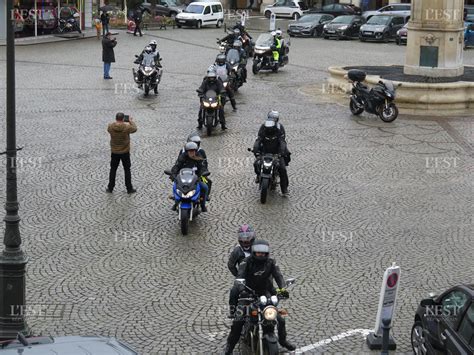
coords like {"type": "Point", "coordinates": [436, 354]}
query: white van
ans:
{"type": "Point", "coordinates": [199, 14]}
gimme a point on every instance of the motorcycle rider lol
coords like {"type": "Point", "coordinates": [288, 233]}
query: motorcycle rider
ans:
{"type": "Point", "coordinates": [223, 68]}
{"type": "Point", "coordinates": [271, 139]}
{"type": "Point", "coordinates": [191, 159]}
{"type": "Point", "coordinates": [276, 48]}
{"type": "Point", "coordinates": [211, 82]}
{"type": "Point", "coordinates": [257, 270]}
{"type": "Point", "coordinates": [239, 253]}
{"type": "Point", "coordinates": [279, 35]}
{"type": "Point", "coordinates": [243, 59]}
{"type": "Point", "coordinates": [231, 37]}
{"type": "Point", "coordinates": [146, 55]}
{"type": "Point", "coordinates": [238, 25]}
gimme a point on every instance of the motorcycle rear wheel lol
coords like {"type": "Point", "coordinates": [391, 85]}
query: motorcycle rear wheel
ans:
{"type": "Point", "coordinates": [184, 222]}
{"type": "Point", "coordinates": [264, 184]}
{"type": "Point", "coordinates": [255, 69]}
{"type": "Point", "coordinates": [354, 109]}
{"type": "Point", "coordinates": [388, 114]}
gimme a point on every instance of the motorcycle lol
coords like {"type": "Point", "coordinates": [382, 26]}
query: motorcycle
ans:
{"type": "Point", "coordinates": [150, 74]}
{"type": "Point", "coordinates": [233, 58]}
{"type": "Point", "coordinates": [227, 81]}
{"type": "Point", "coordinates": [260, 320]}
{"type": "Point", "coordinates": [378, 100]}
{"type": "Point", "coordinates": [248, 45]}
{"type": "Point", "coordinates": [269, 174]}
{"type": "Point", "coordinates": [187, 195]}
{"type": "Point", "coordinates": [69, 25]}
{"type": "Point", "coordinates": [210, 110]}
{"type": "Point", "coordinates": [263, 55]}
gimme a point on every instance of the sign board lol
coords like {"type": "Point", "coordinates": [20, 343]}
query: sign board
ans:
{"type": "Point", "coordinates": [388, 296]}
{"type": "Point", "coordinates": [272, 22]}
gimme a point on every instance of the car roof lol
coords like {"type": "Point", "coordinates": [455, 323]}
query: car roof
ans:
{"type": "Point", "coordinates": [206, 3]}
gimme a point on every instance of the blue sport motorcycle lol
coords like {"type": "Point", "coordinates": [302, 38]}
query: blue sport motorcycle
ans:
{"type": "Point", "coordinates": [187, 196]}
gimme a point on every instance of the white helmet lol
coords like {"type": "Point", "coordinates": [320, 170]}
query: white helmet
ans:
{"type": "Point", "coordinates": [274, 33]}
{"type": "Point", "coordinates": [190, 146]}
{"type": "Point", "coordinates": [279, 33]}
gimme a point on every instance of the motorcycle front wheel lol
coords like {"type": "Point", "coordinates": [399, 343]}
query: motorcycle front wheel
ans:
{"type": "Point", "coordinates": [264, 184]}
{"type": "Point", "coordinates": [184, 222]}
{"type": "Point", "coordinates": [270, 348]}
{"type": "Point", "coordinates": [147, 88]}
{"type": "Point", "coordinates": [255, 68]}
{"type": "Point", "coordinates": [389, 113]}
{"type": "Point", "coordinates": [355, 109]}
{"type": "Point", "coordinates": [208, 119]}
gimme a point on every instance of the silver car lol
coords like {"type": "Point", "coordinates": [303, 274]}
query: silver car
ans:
{"type": "Point", "coordinates": [392, 9]}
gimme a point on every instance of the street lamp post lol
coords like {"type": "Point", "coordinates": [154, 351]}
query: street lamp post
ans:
{"type": "Point", "coordinates": [12, 260]}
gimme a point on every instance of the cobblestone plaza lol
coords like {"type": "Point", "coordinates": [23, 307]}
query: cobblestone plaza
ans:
{"type": "Point", "coordinates": [363, 194]}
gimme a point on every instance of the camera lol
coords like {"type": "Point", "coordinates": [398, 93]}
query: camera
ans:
{"type": "Point", "coordinates": [126, 118]}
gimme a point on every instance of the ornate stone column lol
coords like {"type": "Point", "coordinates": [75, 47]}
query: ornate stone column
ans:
{"type": "Point", "coordinates": [435, 38]}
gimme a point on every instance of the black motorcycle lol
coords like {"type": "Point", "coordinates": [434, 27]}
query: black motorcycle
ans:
{"type": "Point", "coordinates": [378, 100]}
{"type": "Point", "coordinates": [148, 75]}
{"type": "Point", "coordinates": [269, 173]}
{"type": "Point", "coordinates": [260, 316]}
{"type": "Point", "coordinates": [263, 55]}
{"type": "Point", "coordinates": [68, 25]}
{"type": "Point", "coordinates": [237, 64]}
{"type": "Point", "coordinates": [210, 110]}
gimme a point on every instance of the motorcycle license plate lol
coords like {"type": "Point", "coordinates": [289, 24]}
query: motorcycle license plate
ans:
{"type": "Point", "coordinates": [368, 33]}
{"type": "Point", "coordinates": [181, 21]}
{"type": "Point", "coordinates": [295, 31]}
{"type": "Point", "coordinates": [331, 31]}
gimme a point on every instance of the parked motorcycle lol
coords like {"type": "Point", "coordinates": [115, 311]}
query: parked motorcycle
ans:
{"type": "Point", "coordinates": [70, 24]}
{"type": "Point", "coordinates": [269, 174]}
{"type": "Point", "coordinates": [148, 75]}
{"type": "Point", "coordinates": [233, 58]}
{"type": "Point", "coordinates": [187, 195]}
{"type": "Point", "coordinates": [258, 333]}
{"type": "Point", "coordinates": [210, 110]}
{"type": "Point", "coordinates": [378, 100]}
{"type": "Point", "coordinates": [263, 55]}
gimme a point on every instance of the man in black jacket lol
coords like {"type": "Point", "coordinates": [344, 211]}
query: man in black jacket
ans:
{"type": "Point", "coordinates": [271, 139]}
{"type": "Point", "coordinates": [108, 55]}
{"type": "Point", "coordinates": [138, 17]}
{"type": "Point", "coordinates": [210, 82]}
{"type": "Point", "coordinates": [258, 270]}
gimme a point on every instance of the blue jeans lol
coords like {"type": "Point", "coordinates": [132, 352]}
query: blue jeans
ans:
{"type": "Point", "coordinates": [204, 191]}
{"type": "Point", "coordinates": [107, 69]}
{"type": "Point", "coordinates": [105, 29]}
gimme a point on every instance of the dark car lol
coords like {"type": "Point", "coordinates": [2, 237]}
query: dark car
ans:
{"type": "Point", "coordinates": [470, 13]}
{"type": "Point", "coordinates": [169, 8]}
{"type": "Point", "coordinates": [309, 25]}
{"type": "Point", "coordinates": [339, 9]}
{"type": "Point", "coordinates": [381, 27]}
{"type": "Point", "coordinates": [402, 35]}
{"type": "Point", "coordinates": [345, 26]}
{"type": "Point", "coordinates": [445, 324]}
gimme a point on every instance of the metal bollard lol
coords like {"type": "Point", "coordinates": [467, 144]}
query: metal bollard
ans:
{"type": "Point", "coordinates": [385, 335]}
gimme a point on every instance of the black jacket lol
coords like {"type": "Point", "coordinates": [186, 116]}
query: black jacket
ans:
{"type": "Point", "coordinates": [104, 18]}
{"type": "Point", "coordinates": [202, 154]}
{"type": "Point", "coordinates": [235, 258]}
{"type": "Point", "coordinates": [217, 86]}
{"type": "Point", "coordinates": [108, 55]}
{"type": "Point", "coordinates": [258, 276]}
{"type": "Point", "coordinates": [184, 161]}
{"type": "Point", "coordinates": [271, 143]}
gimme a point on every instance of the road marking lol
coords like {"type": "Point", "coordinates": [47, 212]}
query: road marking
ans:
{"type": "Point", "coordinates": [363, 332]}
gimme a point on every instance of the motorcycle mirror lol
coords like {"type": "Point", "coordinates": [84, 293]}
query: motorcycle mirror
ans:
{"type": "Point", "coordinates": [249, 149]}
{"type": "Point", "coordinates": [136, 56]}
{"type": "Point", "coordinates": [290, 281]}
{"type": "Point", "coordinates": [239, 282]}
{"type": "Point", "coordinates": [168, 172]}
{"type": "Point", "coordinates": [206, 173]}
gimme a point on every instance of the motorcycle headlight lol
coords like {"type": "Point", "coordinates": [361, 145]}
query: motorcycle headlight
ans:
{"type": "Point", "coordinates": [274, 300]}
{"type": "Point", "coordinates": [147, 70]}
{"type": "Point", "coordinates": [267, 163]}
{"type": "Point", "coordinates": [188, 195]}
{"type": "Point", "coordinates": [206, 104]}
{"type": "Point", "coordinates": [225, 84]}
{"type": "Point", "coordinates": [214, 104]}
{"type": "Point", "coordinates": [235, 67]}
{"type": "Point", "coordinates": [389, 94]}
{"type": "Point", "coordinates": [270, 313]}
{"type": "Point", "coordinates": [263, 300]}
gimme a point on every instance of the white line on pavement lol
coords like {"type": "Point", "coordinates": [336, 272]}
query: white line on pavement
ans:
{"type": "Point", "coordinates": [334, 338]}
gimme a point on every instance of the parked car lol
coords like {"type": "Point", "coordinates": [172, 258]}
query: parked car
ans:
{"type": "Point", "coordinates": [169, 8]}
{"type": "Point", "coordinates": [345, 26]}
{"type": "Point", "coordinates": [286, 8]}
{"type": "Point", "coordinates": [93, 345]}
{"type": "Point", "coordinates": [402, 34]}
{"type": "Point", "coordinates": [339, 10]}
{"type": "Point", "coordinates": [309, 25]}
{"type": "Point", "coordinates": [445, 324]}
{"type": "Point", "coordinates": [468, 34]}
{"type": "Point", "coordinates": [392, 9]}
{"type": "Point", "coordinates": [201, 13]}
{"type": "Point", "coordinates": [381, 28]}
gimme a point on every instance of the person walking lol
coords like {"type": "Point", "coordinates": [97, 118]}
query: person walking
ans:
{"type": "Point", "coordinates": [138, 17]}
{"type": "Point", "coordinates": [120, 131]}
{"type": "Point", "coordinates": [108, 55]}
{"type": "Point", "coordinates": [104, 19]}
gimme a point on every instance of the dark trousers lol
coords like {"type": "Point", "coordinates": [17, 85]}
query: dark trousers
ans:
{"type": "Point", "coordinates": [114, 163]}
{"type": "Point", "coordinates": [233, 298]}
{"type": "Point", "coordinates": [238, 323]}
{"type": "Point", "coordinates": [284, 182]}
{"type": "Point", "coordinates": [137, 28]}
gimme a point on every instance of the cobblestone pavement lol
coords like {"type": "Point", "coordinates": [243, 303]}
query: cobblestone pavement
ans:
{"type": "Point", "coordinates": [363, 194]}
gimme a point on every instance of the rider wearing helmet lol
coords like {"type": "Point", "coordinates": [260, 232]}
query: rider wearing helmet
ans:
{"type": "Point", "coordinates": [231, 37]}
{"type": "Point", "coordinates": [272, 139]}
{"type": "Point", "coordinates": [258, 270]}
{"type": "Point", "coordinates": [191, 159]}
{"type": "Point", "coordinates": [276, 47]}
{"type": "Point", "coordinates": [146, 54]}
{"type": "Point", "coordinates": [211, 82]}
{"type": "Point", "coordinates": [223, 68]}
{"type": "Point", "coordinates": [153, 44]}
{"type": "Point", "coordinates": [243, 58]}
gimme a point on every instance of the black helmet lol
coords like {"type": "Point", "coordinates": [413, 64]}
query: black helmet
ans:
{"type": "Point", "coordinates": [211, 75]}
{"type": "Point", "coordinates": [246, 236]}
{"type": "Point", "coordinates": [273, 115]}
{"type": "Point", "coordinates": [270, 127]}
{"type": "Point", "coordinates": [237, 44]}
{"type": "Point", "coordinates": [220, 59]}
{"type": "Point", "coordinates": [260, 246]}
{"type": "Point", "coordinates": [236, 32]}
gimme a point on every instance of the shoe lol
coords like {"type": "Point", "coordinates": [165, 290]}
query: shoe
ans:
{"type": "Point", "coordinates": [228, 350]}
{"type": "Point", "coordinates": [199, 127]}
{"type": "Point", "coordinates": [109, 191]}
{"type": "Point", "coordinates": [223, 127]}
{"type": "Point", "coordinates": [288, 345]}
{"type": "Point", "coordinates": [234, 109]}
{"type": "Point", "coordinates": [203, 208]}
{"type": "Point", "coordinates": [108, 77]}
{"type": "Point", "coordinates": [208, 198]}
{"type": "Point", "coordinates": [131, 191]}
{"type": "Point", "coordinates": [284, 191]}
{"type": "Point", "coordinates": [257, 179]}
{"type": "Point", "coordinates": [135, 35]}
{"type": "Point", "coordinates": [175, 207]}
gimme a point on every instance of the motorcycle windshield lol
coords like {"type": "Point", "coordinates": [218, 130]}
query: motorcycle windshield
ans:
{"type": "Point", "coordinates": [148, 60]}
{"type": "Point", "coordinates": [233, 56]}
{"type": "Point", "coordinates": [221, 72]}
{"type": "Point", "coordinates": [186, 177]}
{"type": "Point", "coordinates": [211, 94]}
{"type": "Point", "coordinates": [264, 40]}
{"type": "Point", "coordinates": [389, 86]}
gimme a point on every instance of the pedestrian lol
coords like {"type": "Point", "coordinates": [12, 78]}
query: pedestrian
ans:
{"type": "Point", "coordinates": [120, 131]}
{"type": "Point", "coordinates": [104, 19]}
{"type": "Point", "coordinates": [108, 55]}
{"type": "Point", "coordinates": [138, 17]}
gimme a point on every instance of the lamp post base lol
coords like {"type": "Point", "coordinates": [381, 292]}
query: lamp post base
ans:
{"type": "Point", "coordinates": [375, 342]}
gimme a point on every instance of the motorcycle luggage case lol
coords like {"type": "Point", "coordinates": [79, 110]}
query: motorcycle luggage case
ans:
{"type": "Point", "coordinates": [356, 75]}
